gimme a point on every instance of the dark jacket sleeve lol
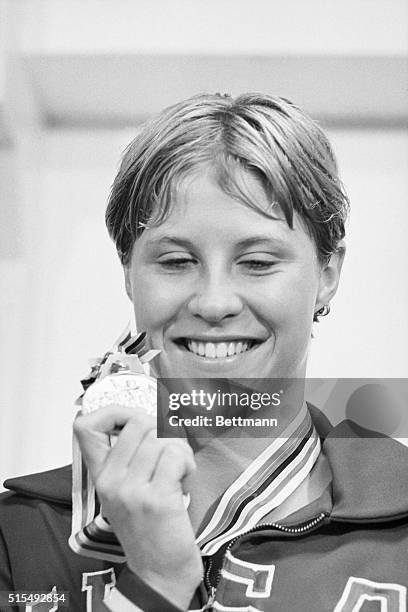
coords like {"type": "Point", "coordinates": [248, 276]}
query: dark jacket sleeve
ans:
{"type": "Point", "coordinates": [142, 595]}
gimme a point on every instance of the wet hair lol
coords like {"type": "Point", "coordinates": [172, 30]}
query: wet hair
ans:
{"type": "Point", "coordinates": [269, 137]}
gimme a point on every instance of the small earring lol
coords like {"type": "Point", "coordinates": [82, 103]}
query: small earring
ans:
{"type": "Point", "coordinates": [322, 312]}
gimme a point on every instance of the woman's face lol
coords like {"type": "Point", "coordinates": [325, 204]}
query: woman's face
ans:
{"type": "Point", "coordinates": [224, 291]}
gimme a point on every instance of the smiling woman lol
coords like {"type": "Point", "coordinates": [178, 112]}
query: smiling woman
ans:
{"type": "Point", "coordinates": [228, 217]}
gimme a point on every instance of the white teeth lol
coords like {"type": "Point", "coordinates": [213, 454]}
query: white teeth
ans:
{"type": "Point", "coordinates": [221, 349]}
{"type": "Point", "coordinates": [210, 350]}
{"type": "Point", "coordinates": [217, 350]}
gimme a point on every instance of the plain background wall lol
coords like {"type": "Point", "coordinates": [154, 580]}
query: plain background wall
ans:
{"type": "Point", "coordinates": [61, 287]}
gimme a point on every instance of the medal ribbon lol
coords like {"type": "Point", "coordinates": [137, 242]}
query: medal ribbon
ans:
{"type": "Point", "coordinates": [265, 484]}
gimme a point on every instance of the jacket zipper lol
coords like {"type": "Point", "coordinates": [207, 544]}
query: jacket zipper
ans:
{"type": "Point", "coordinates": [309, 526]}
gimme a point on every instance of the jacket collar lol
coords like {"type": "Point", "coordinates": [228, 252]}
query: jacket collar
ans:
{"type": "Point", "coordinates": [53, 486]}
{"type": "Point", "coordinates": [370, 477]}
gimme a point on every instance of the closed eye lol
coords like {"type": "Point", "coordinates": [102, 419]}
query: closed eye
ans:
{"type": "Point", "coordinates": [176, 263]}
{"type": "Point", "coordinates": [260, 265]}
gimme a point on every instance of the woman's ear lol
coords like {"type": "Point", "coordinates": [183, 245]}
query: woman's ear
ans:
{"type": "Point", "coordinates": [128, 282]}
{"type": "Point", "coordinates": [330, 277]}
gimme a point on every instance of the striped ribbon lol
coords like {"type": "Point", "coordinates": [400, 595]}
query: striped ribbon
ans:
{"type": "Point", "coordinates": [265, 484]}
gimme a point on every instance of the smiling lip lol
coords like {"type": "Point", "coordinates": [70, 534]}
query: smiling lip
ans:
{"type": "Point", "coordinates": [218, 348]}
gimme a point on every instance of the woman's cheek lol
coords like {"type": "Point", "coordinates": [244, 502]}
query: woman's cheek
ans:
{"type": "Point", "coordinates": [273, 302]}
{"type": "Point", "coordinates": [286, 308]}
{"type": "Point", "coordinates": [156, 304]}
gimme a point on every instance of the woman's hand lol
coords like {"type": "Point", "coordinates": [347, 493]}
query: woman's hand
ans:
{"type": "Point", "coordinates": [140, 485]}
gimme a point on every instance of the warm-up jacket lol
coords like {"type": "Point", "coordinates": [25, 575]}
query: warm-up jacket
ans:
{"type": "Point", "coordinates": [345, 552]}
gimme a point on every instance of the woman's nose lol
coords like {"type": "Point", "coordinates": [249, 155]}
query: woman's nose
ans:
{"type": "Point", "coordinates": [215, 300]}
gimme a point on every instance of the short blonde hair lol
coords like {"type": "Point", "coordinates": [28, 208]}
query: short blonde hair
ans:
{"type": "Point", "coordinates": [267, 136]}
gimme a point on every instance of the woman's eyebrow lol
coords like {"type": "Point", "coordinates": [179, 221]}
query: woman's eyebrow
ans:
{"type": "Point", "coordinates": [272, 241]}
{"type": "Point", "coordinates": [170, 241]}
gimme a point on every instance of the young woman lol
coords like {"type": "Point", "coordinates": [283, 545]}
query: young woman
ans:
{"type": "Point", "coordinates": [228, 216]}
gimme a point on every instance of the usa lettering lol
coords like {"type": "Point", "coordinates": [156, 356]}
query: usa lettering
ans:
{"type": "Point", "coordinates": [252, 589]}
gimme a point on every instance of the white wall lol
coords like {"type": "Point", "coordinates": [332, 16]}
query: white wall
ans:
{"type": "Point", "coordinates": [63, 292]}
{"type": "Point", "coordinates": [366, 333]}
{"type": "Point", "coordinates": [231, 27]}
